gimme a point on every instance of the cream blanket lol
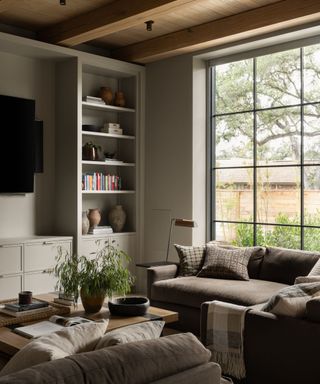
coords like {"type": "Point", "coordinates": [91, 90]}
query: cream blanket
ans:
{"type": "Point", "coordinates": [224, 336]}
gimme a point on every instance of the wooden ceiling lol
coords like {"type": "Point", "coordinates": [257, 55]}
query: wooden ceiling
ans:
{"type": "Point", "coordinates": [179, 25]}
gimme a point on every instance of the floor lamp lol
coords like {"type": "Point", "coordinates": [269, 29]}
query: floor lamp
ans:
{"type": "Point", "coordinates": [178, 223]}
{"type": "Point", "coordinates": [174, 222]}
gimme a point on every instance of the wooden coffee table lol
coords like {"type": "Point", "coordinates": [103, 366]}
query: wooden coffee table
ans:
{"type": "Point", "coordinates": [11, 342]}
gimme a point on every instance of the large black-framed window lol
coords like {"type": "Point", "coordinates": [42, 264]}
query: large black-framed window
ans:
{"type": "Point", "coordinates": [265, 149]}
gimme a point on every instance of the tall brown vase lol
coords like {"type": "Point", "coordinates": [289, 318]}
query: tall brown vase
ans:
{"type": "Point", "coordinates": [94, 217]}
{"type": "Point", "coordinates": [106, 95]}
{"type": "Point", "coordinates": [119, 99]}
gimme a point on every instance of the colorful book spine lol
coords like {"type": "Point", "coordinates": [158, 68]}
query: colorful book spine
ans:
{"type": "Point", "coordinates": [98, 181]}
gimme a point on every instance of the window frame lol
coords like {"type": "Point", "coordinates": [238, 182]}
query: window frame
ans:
{"type": "Point", "coordinates": [211, 145]}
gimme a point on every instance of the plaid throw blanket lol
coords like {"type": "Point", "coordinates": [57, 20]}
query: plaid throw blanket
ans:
{"type": "Point", "coordinates": [222, 333]}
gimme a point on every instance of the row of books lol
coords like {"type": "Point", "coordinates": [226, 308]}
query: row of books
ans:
{"type": "Point", "coordinates": [97, 181]}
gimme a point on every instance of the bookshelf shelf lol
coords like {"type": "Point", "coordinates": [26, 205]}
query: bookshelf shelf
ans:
{"type": "Point", "coordinates": [108, 163]}
{"type": "Point", "coordinates": [110, 135]}
{"type": "Point", "coordinates": [122, 192]}
{"type": "Point", "coordinates": [107, 108]}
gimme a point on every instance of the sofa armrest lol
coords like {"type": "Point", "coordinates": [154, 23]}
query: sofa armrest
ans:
{"type": "Point", "coordinates": [280, 349]}
{"type": "Point", "coordinates": [313, 309]}
{"type": "Point", "coordinates": [162, 272]}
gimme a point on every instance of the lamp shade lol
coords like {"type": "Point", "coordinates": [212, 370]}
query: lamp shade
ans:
{"type": "Point", "coordinates": [185, 223]}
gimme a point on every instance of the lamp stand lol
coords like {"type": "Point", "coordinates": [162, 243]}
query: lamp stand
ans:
{"type": "Point", "coordinates": [169, 240]}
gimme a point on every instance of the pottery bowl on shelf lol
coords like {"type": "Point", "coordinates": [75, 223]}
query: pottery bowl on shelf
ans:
{"type": "Point", "coordinates": [90, 127]}
{"type": "Point", "coordinates": [129, 306]}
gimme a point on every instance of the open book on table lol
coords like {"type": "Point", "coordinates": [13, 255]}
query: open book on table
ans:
{"type": "Point", "coordinates": [55, 323]}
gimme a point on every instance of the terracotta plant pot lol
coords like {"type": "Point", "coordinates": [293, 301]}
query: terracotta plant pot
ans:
{"type": "Point", "coordinates": [92, 303]}
{"type": "Point", "coordinates": [106, 95]}
{"type": "Point", "coordinates": [119, 99]}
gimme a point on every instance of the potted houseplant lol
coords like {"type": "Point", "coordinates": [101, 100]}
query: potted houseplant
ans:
{"type": "Point", "coordinates": [94, 278]}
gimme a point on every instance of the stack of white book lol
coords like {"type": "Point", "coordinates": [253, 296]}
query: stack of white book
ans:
{"type": "Point", "coordinates": [93, 100]}
{"type": "Point", "coordinates": [101, 230]}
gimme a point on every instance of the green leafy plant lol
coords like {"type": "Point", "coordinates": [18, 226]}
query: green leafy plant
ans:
{"type": "Point", "coordinates": [104, 274]}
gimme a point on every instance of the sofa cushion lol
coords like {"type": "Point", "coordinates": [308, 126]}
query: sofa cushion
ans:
{"type": "Point", "coordinates": [315, 271]}
{"type": "Point", "coordinates": [284, 265]}
{"type": "Point", "coordinates": [135, 363]}
{"type": "Point", "coordinates": [191, 259]}
{"type": "Point", "coordinates": [136, 332]}
{"type": "Point", "coordinates": [226, 263]}
{"type": "Point", "coordinates": [68, 341]}
{"type": "Point", "coordinates": [192, 291]}
{"type": "Point", "coordinates": [292, 300]}
{"type": "Point", "coordinates": [255, 261]}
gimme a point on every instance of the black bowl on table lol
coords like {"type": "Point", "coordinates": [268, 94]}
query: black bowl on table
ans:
{"type": "Point", "coordinates": [129, 306]}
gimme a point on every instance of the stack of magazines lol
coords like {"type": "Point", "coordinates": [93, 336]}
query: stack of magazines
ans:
{"type": "Point", "coordinates": [15, 309]}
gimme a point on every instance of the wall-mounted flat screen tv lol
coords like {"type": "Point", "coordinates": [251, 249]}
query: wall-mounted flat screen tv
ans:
{"type": "Point", "coordinates": [17, 156]}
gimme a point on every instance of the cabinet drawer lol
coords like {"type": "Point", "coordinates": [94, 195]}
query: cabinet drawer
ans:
{"type": "Point", "coordinates": [39, 282]}
{"type": "Point", "coordinates": [41, 256]}
{"type": "Point", "coordinates": [90, 247]}
{"type": "Point", "coordinates": [10, 286]}
{"type": "Point", "coordinates": [10, 259]}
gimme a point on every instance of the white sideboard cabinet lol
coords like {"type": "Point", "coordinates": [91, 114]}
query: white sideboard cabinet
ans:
{"type": "Point", "coordinates": [28, 263]}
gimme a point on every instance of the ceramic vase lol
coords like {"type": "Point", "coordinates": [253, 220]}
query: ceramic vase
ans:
{"type": "Point", "coordinates": [117, 218]}
{"type": "Point", "coordinates": [92, 303]}
{"type": "Point", "coordinates": [94, 217]}
{"type": "Point", "coordinates": [85, 223]}
{"type": "Point", "coordinates": [119, 99]}
{"type": "Point", "coordinates": [106, 95]}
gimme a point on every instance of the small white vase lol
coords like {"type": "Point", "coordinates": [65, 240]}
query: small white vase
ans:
{"type": "Point", "coordinates": [85, 223]}
{"type": "Point", "coordinates": [117, 218]}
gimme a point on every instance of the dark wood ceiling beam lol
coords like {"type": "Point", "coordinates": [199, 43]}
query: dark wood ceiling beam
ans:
{"type": "Point", "coordinates": [269, 18]}
{"type": "Point", "coordinates": [111, 18]}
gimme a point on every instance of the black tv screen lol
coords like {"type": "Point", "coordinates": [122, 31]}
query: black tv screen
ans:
{"type": "Point", "coordinates": [17, 117]}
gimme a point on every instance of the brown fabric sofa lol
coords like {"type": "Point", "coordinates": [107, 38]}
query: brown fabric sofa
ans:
{"type": "Point", "coordinates": [270, 269]}
{"type": "Point", "coordinates": [174, 359]}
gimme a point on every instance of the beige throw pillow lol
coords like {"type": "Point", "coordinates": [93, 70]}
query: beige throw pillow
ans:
{"type": "Point", "coordinates": [291, 301]}
{"type": "Point", "coordinates": [226, 263]}
{"type": "Point", "coordinates": [315, 271]}
{"type": "Point", "coordinates": [68, 341]}
{"type": "Point", "coordinates": [137, 332]}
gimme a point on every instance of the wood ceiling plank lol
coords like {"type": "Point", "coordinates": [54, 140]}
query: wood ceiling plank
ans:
{"type": "Point", "coordinates": [268, 18]}
{"type": "Point", "coordinates": [114, 17]}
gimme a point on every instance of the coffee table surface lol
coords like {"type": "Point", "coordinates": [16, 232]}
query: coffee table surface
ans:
{"type": "Point", "coordinates": [11, 342]}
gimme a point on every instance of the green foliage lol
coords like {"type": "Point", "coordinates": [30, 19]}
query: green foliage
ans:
{"type": "Point", "coordinates": [282, 236]}
{"type": "Point", "coordinates": [103, 274]}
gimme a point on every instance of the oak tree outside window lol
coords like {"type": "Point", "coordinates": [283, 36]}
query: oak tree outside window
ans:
{"type": "Point", "coordinates": [265, 152]}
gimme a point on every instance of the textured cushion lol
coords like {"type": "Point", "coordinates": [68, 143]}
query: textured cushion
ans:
{"type": "Point", "coordinates": [284, 265]}
{"type": "Point", "coordinates": [191, 259]}
{"type": "Point", "coordinates": [144, 331]}
{"type": "Point", "coordinates": [291, 301]}
{"type": "Point", "coordinates": [255, 261]}
{"type": "Point", "coordinates": [226, 263]}
{"type": "Point", "coordinates": [307, 279]}
{"type": "Point", "coordinates": [134, 363]}
{"type": "Point", "coordinates": [315, 271]}
{"type": "Point", "coordinates": [68, 341]}
{"type": "Point", "coordinates": [192, 291]}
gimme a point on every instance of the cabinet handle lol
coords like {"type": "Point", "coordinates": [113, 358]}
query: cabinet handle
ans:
{"type": "Point", "coordinates": [47, 243]}
{"type": "Point", "coordinates": [49, 270]}
{"type": "Point", "coordinates": [1, 276]}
